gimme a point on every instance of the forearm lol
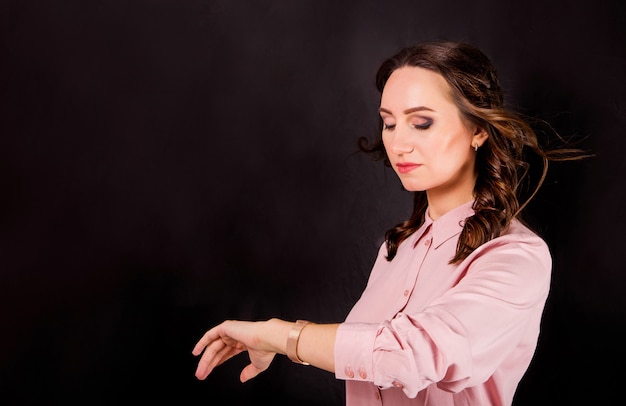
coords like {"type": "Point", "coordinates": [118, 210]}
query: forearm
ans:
{"type": "Point", "coordinates": [316, 344]}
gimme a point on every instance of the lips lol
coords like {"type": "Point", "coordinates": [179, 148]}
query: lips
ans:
{"type": "Point", "coordinates": [406, 167]}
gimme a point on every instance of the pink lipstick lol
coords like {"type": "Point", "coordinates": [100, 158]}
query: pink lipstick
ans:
{"type": "Point", "coordinates": [406, 167]}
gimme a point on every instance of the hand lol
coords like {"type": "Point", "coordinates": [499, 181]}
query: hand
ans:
{"type": "Point", "coordinates": [228, 339]}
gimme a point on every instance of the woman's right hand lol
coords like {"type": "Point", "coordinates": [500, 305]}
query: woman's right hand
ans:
{"type": "Point", "coordinates": [230, 338]}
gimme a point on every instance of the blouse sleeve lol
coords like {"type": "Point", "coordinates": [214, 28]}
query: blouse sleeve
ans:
{"type": "Point", "coordinates": [463, 336]}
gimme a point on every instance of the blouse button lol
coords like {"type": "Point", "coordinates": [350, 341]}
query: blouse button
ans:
{"type": "Point", "coordinates": [362, 373]}
{"type": "Point", "coordinates": [397, 384]}
{"type": "Point", "coordinates": [406, 292]}
{"type": "Point", "coordinates": [349, 372]}
{"type": "Point", "coordinates": [427, 242]}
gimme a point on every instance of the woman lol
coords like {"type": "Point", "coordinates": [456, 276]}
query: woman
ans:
{"type": "Point", "coordinates": [452, 309]}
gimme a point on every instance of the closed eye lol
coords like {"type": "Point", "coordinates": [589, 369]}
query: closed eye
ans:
{"type": "Point", "coordinates": [424, 126]}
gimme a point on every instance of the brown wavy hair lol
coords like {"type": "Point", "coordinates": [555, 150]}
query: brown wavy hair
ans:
{"type": "Point", "coordinates": [502, 162]}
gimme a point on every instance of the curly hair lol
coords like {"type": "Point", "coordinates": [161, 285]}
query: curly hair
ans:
{"type": "Point", "coordinates": [502, 163]}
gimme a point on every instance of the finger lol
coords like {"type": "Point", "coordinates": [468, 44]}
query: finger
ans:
{"type": "Point", "coordinates": [249, 372]}
{"type": "Point", "coordinates": [207, 361]}
{"type": "Point", "coordinates": [227, 353]}
{"type": "Point", "coordinates": [216, 354]}
{"type": "Point", "coordinates": [206, 339]}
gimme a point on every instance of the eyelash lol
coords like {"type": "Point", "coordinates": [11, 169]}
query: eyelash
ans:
{"type": "Point", "coordinates": [425, 126]}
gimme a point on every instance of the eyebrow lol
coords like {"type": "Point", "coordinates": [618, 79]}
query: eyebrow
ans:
{"type": "Point", "coordinates": [407, 111]}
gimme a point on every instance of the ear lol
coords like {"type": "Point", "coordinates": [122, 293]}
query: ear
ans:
{"type": "Point", "coordinates": [479, 137]}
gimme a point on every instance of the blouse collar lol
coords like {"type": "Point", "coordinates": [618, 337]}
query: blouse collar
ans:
{"type": "Point", "coordinates": [448, 225]}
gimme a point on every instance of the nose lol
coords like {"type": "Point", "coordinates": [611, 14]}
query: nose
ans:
{"type": "Point", "coordinates": [401, 142]}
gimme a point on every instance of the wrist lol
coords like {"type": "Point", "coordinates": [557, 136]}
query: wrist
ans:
{"type": "Point", "coordinates": [275, 333]}
{"type": "Point", "coordinates": [292, 341]}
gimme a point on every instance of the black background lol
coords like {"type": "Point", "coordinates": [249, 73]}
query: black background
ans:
{"type": "Point", "coordinates": [168, 164]}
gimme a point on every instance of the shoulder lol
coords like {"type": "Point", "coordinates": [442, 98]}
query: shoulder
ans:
{"type": "Point", "coordinates": [518, 261]}
{"type": "Point", "coordinates": [518, 246]}
{"type": "Point", "coordinates": [518, 231]}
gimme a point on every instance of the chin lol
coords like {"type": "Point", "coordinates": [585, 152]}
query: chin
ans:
{"type": "Point", "coordinates": [409, 187]}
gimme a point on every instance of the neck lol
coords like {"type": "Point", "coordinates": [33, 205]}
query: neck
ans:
{"type": "Point", "coordinates": [438, 206]}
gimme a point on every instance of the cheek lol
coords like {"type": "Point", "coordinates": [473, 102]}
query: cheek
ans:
{"type": "Point", "coordinates": [386, 145]}
{"type": "Point", "coordinates": [385, 138]}
{"type": "Point", "coordinates": [457, 144]}
{"type": "Point", "coordinates": [450, 156]}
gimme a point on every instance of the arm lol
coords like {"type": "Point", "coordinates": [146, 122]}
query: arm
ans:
{"type": "Point", "coordinates": [482, 318]}
{"type": "Point", "coordinates": [263, 340]}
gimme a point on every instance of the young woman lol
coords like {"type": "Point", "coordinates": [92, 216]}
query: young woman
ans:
{"type": "Point", "coordinates": [452, 309]}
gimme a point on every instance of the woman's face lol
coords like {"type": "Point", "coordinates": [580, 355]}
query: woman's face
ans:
{"type": "Point", "coordinates": [429, 145]}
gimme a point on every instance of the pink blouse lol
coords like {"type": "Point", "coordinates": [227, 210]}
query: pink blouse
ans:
{"type": "Point", "coordinates": [425, 332]}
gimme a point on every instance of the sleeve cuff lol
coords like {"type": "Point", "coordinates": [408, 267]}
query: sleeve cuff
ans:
{"type": "Point", "coordinates": [354, 348]}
